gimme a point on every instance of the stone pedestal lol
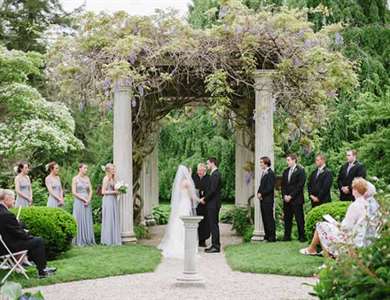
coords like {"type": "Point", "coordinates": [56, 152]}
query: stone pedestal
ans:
{"type": "Point", "coordinates": [190, 276]}
{"type": "Point", "coordinates": [264, 137]}
{"type": "Point", "coordinates": [244, 182]}
{"type": "Point", "coordinates": [149, 188]}
{"type": "Point", "coordinates": [123, 157]}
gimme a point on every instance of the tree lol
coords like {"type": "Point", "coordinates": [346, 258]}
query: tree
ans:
{"type": "Point", "coordinates": [24, 22]}
{"type": "Point", "coordinates": [31, 128]}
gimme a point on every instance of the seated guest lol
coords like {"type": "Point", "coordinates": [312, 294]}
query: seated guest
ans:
{"type": "Point", "coordinates": [265, 194]}
{"type": "Point", "coordinates": [348, 172]}
{"type": "Point", "coordinates": [355, 229]}
{"type": "Point", "coordinates": [320, 183]}
{"type": "Point", "coordinates": [18, 239]}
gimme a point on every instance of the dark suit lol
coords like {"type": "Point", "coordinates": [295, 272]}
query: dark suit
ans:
{"type": "Point", "coordinates": [266, 189]}
{"type": "Point", "coordinates": [345, 178]}
{"type": "Point", "coordinates": [294, 207]}
{"type": "Point", "coordinates": [17, 239]}
{"type": "Point", "coordinates": [320, 186]}
{"type": "Point", "coordinates": [213, 203]}
{"type": "Point", "coordinates": [201, 185]}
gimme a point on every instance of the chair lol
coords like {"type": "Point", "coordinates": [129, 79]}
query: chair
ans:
{"type": "Point", "coordinates": [12, 261]}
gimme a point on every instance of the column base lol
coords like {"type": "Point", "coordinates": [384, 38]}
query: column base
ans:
{"type": "Point", "coordinates": [190, 279]}
{"type": "Point", "coordinates": [257, 237]}
{"type": "Point", "coordinates": [128, 238]}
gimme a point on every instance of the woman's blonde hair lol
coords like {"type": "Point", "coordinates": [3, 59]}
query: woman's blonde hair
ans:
{"type": "Point", "coordinates": [360, 185]}
{"type": "Point", "coordinates": [108, 166]}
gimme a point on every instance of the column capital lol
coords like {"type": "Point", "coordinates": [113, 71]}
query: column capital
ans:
{"type": "Point", "coordinates": [122, 85]}
{"type": "Point", "coordinates": [263, 73]}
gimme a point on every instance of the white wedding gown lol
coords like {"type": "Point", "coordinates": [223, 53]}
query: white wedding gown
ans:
{"type": "Point", "coordinates": [183, 197]}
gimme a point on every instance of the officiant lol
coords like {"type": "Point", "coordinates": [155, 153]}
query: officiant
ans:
{"type": "Point", "coordinates": [201, 180]}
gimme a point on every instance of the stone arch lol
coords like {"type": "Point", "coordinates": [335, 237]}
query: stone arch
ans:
{"type": "Point", "coordinates": [263, 116]}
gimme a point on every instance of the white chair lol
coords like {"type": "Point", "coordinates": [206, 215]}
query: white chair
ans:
{"type": "Point", "coordinates": [12, 261]}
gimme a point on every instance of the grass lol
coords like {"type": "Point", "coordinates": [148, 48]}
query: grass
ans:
{"type": "Point", "coordinates": [281, 258]}
{"type": "Point", "coordinates": [95, 262]}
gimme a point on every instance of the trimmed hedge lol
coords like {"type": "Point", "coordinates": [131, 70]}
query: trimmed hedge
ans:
{"type": "Point", "coordinates": [336, 209]}
{"type": "Point", "coordinates": [54, 225]}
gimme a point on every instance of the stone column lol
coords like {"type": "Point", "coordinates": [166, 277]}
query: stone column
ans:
{"type": "Point", "coordinates": [190, 275]}
{"type": "Point", "coordinates": [123, 157]}
{"type": "Point", "coordinates": [264, 136]}
{"type": "Point", "coordinates": [244, 180]}
{"type": "Point", "coordinates": [149, 188]}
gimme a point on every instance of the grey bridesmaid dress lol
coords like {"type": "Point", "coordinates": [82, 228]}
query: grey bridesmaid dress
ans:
{"type": "Point", "coordinates": [111, 234]}
{"type": "Point", "coordinates": [25, 188]}
{"type": "Point", "coordinates": [83, 216]}
{"type": "Point", "coordinates": [57, 188]}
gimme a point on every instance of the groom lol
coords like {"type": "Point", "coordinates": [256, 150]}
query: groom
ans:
{"type": "Point", "coordinates": [212, 200]}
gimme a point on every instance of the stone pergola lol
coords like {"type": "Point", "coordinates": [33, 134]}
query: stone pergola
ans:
{"type": "Point", "coordinates": [264, 108]}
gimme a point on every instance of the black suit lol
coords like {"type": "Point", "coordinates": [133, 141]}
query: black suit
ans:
{"type": "Point", "coordinates": [345, 178]}
{"type": "Point", "coordinates": [319, 186]}
{"type": "Point", "coordinates": [266, 189]}
{"type": "Point", "coordinates": [294, 188]}
{"type": "Point", "coordinates": [201, 185]}
{"type": "Point", "coordinates": [213, 203]}
{"type": "Point", "coordinates": [17, 239]}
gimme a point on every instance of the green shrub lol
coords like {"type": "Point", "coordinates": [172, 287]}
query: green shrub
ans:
{"type": "Point", "coordinates": [54, 225]}
{"type": "Point", "coordinates": [141, 232]}
{"type": "Point", "coordinates": [161, 214]}
{"type": "Point", "coordinates": [97, 229]}
{"type": "Point", "coordinates": [336, 209]}
{"type": "Point", "coordinates": [68, 203]}
{"type": "Point", "coordinates": [40, 193]}
{"type": "Point", "coordinates": [242, 222]}
{"type": "Point", "coordinates": [226, 215]}
{"type": "Point", "coordinates": [360, 274]}
{"type": "Point", "coordinates": [248, 233]}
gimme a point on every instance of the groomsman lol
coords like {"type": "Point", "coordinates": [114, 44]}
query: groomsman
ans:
{"type": "Point", "coordinates": [347, 174]}
{"type": "Point", "coordinates": [293, 183]}
{"type": "Point", "coordinates": [320, 182]}
{"type": "Point", "coordinates": [201, 180]}
{"type": "Point", "coordinates": [265, 194]}
{"type": "Point", "coordinates": [212, 199]}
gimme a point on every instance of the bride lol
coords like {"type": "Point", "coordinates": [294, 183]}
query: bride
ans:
{"type": "Point", "coordinates": [183, 202]}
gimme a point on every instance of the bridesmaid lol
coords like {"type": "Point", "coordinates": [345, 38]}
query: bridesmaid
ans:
{"type": "Point", "coordinates": [110, 234]}
{"type": "Point", "coordinates": [23, 186]}
{"type": "Point", "coordinates": [54, 187]}
{"type": "Point", "coordinates": [82, 210]}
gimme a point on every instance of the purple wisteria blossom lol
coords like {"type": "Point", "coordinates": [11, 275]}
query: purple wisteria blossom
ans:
{"type": "Point", "coordinates": [339, 39]}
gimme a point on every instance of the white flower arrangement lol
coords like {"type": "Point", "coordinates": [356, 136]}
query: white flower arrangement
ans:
{"type": "Point", "coordinates": [121, 187]}
{"type": "Point", "coordinates": [103, 168]}
{"type": "Point", "coordinates": [16, 169]}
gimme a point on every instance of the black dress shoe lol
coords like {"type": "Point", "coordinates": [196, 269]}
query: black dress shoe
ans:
{"type": "Point", "coordinates": [212, 250]}
{"type": "Point", "coordinates": [302, 240]}
{"type": "Point", "coordinates": [271, 240]}
{"type": "Point", "coordinates": [202, 244]}
{"type": "Point", "coordinates": [50, 270]}
{"type": "Point", "coordinates": [45, 274]}
{"type": "Point", "coordinates": [286, 239]}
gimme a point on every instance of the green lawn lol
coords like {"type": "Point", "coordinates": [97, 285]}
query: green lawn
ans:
{"type": "Point", "coordinates": [274, 258]}
{"type": "Point", "coordinates": [95, 262]}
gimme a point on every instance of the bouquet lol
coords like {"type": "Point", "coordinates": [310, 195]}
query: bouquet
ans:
{"type": "Point", "coordinates": [121, 187]}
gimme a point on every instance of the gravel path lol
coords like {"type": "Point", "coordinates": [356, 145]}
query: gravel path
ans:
{"type": "Point", "coordinates": [221, 281]}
